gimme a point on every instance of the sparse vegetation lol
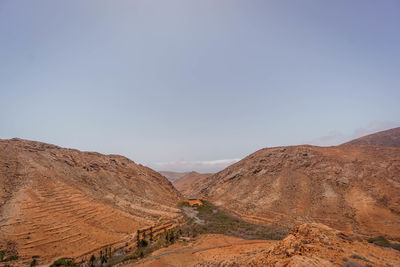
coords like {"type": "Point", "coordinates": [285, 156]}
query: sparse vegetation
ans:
{"type": "Point", "coordinates": [142, 243]}
{"type": "Point", "coordinates": [135, 255]}
{"type": "Point", "coordinates": [92, 259]}
{"type": "Point", "coordinates": [65, 262]}
{"type": "Point", "coordinates": [220, 222]}
{"type": "Point", "coordinates": [163, 240]}
{"type": "Point", "coordinates": [355, 256]}
{"type": "Point", "coordinates": [352, 264]}
{"type": "Point", "coordinates": [183, 204]}
{"type": "Point", "coordinates": [215, 221]}
{"type": "Point", "coordinates": [151, 234]}
{"type": "Point", "coordinates": [6, 255]}
{"type": "Point", "coordinates": [383, 242]}
{"type": "Point", "coordinates": [103, 257]}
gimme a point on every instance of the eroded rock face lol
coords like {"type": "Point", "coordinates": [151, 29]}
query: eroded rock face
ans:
{"type": "Point", "coordinates": [64, 202]}
{"type": "Point", "coordinates": [351, 188]}
{"type": "Point", "coordinates": [185, 183]}
{"type": "Point", "coordinates": [319, 245]}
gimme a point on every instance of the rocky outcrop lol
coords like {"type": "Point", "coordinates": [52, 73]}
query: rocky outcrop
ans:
{"type": "Point", "coordinates": [319, 245]}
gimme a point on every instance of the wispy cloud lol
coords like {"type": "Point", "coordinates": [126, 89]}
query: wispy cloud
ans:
{"type": "Point", "coordinates": [199, 166]}
{"type": "Point", "coordinates": [336, 138]}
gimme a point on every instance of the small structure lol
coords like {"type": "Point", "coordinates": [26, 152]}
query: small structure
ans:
{"type": "Point", "coordinates": [194, 203]}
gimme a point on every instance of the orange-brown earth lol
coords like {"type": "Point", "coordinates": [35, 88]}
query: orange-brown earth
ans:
{"type": "Point", "coordinates": [62, 202]}
{"type": "Point", "coordinates": [384, 138]}
{"type": "Point", "coordinates": [173, 176]}
{"type": "Point", "coordinates": [350, 188]}
{"type": "Point", "coordinates": [319, 245]}
{"type": "Point", "coordinates": [184, 183]}
{"type": "Point", "coordinates": [307, 245]}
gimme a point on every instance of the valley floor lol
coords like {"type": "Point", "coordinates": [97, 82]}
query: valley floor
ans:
{"type": "Point", "coordinates": [206, 250]}
{"type": "Point", "coordinates": [234, 242]}
{"type": "Point", "coordinates": [307, 245]}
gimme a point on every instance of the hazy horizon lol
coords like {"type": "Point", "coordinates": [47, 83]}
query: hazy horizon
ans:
{"type": "Point", "coordinates": [189, 85]}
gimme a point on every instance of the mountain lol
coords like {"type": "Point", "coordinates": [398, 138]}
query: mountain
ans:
{"type": "Point", "coordinates": [186, 183]}
{"type": "Point", "coordinates": [349, 188]}
{"type": "Point", "coordinates": [385, 138]}
{"type": "Point", "coordinates": [63, 202]}
{"type": "Point", "coordinates": [173, 176]}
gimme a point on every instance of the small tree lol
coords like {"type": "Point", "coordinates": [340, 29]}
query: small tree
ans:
{"type": "Point", "coordinates": [171, 236]}
{"type": "Point", "coordinates": [92, 259]}
{"type": "Point", "coordinates": [103, 257]}
{"type": "Point", "coordinates": [151, 233]}
{"type": "Point", "coordinates": [167, 236]}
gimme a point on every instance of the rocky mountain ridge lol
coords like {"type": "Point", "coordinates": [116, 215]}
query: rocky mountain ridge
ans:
{"type": "Point", "coordinates": [390, 138]}
{"type": "Point", "coordinates": [350, 188]}
{"type": "Point", "coordinates": [62, 202]}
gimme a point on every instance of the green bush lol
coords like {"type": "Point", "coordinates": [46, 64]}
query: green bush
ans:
{"type": "Point", "coordinates": [142, 243]}
{"type": "Point", "coordinates": [64, 262]}
{"type": "Point", "coordinates": [92, 260]}
{"type": "Point", "coordinates": [135, 255]}
{"type": "Point", "coordinates": [3, 257]}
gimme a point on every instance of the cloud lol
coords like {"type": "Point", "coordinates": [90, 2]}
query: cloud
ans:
{"type": "Point", "coordinates": [337, 138]}
{"type": "Point", "coordinates": [199, 166]}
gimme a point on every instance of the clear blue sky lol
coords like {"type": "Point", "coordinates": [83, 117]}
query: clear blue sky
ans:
{"type": "Point", "coordinates": [172, 84]}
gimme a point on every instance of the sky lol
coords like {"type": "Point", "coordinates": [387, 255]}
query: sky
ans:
{"type": "Point", "coordinates": [197, 85]}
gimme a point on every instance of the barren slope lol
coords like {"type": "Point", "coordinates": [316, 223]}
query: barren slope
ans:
{"type": "Point", "coordinates": [351, 188]}
{"type": "Point", "coordinates": [63, 202]}
{"type": "Point", "coordinates": [173, 176]}
{"type": "Point", "coordinates": [385, 138]}
{"type": "Point", "coordinates": [307, 245]}
{"type": "Point", "coordinates": [185, 184]}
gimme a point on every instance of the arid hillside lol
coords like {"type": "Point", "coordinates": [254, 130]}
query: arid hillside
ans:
{"type": "Point", "coordinates": [307, 245]}
{"type": "Point", "coordinates": [385, 138]}
{"type": "Point", "coordinates": [63, 202]}
{"type": "Point", "coordinates": [173, 176]}
{"type": "Point", "coordinates": [184, 184]}
{"type": "Point", "coordinates": [350, 188]}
